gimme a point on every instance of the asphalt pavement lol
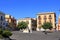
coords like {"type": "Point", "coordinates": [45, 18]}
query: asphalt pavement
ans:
{"type": "Point", "coordinates": [35, 35]}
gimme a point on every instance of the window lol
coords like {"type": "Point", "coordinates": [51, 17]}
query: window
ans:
{"type": "Point", "coordinates": [45, 21]}
{"type": "Point", "coordinates": [50, 17]}
{"type": "Point", "coordinates": [50, 21]}
{"type": "Point", "coordinates": [6, 24]}
{"type": "Point", "coordinates": [3, 23]}
{"type": "Point", "coordinates": [45, 18]}
{"type": "Point", "coordinates": [39, 17]}
{"type": "Point", "coordinates": [39, 22]}
{"type": "Point", "coordinates": [1, 18]}
{"type": "Point", "coordinates": [0, 23]}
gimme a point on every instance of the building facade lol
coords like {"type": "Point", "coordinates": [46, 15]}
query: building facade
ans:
{"type": "Point", "coordinates": [30, 21]}
{"type": "Point", "coordinates": [11, 21]}
{"type": "Point", "coordinates": [3, 23]}
{"type": "Point", "coordinates": [58, 25]}
{"type": "Point", "coordinates": [46, 17]}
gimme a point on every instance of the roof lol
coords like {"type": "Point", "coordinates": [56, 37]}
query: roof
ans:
{"type": "Point", "coordinates": [23, 18]}
{"type": "Point", "coordinates": [46, 13]}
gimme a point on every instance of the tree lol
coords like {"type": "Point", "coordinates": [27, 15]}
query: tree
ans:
{"type": "Point", "coordinates": [47, 25]}
{"type": "Point", "coordinates": [22, 25]}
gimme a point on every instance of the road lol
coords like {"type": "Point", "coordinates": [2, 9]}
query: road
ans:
{"type": "Point", "coordinates": [35, 36]}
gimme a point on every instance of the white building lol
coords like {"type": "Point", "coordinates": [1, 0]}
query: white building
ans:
{"type": "Point", "coordinates": [31, 22]}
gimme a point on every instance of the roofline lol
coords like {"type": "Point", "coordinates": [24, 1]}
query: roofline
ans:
{"type": "Point", "coordinates": [46, 13]}
{"type": "Point", "coordinates": [25, 18]}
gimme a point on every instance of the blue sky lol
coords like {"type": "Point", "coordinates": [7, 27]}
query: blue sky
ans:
{"type": "Point", "coordinates": [29, 8]}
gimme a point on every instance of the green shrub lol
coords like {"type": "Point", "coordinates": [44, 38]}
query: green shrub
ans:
{"type": "Point", "coordinates": [6, 33]}
{"type": "Point", "coordinates": [1, 36]}
{"type": "Point", "coordinates": [1, 31]}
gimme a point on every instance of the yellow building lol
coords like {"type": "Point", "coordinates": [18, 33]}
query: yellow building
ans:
{"type": "Point", "coordinates": [31, 22]}
{"type": "Point", "coordinates": [11, 21]}
{"type": "Point", "coordinates": [46, 17]}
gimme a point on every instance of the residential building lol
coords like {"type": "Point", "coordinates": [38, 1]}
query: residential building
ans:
{"type": "Point", "coordinates": [11, 21]}
{"type": "Point", "coordinates": [3, 23]}
{"type": "Point", "coordinates": [58, 25]}
{"type": "Point", "coordinates": [46, 17]}
{"type": "Point", "coordinates": [30, 21]}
